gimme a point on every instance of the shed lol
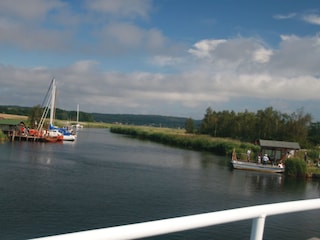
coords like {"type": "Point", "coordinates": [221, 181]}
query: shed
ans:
{"type": "Point", "coordinates": [278, 149]}
{"type": "Point", "coordinates": [9, 124]}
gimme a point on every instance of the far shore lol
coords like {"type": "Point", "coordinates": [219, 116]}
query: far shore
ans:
{"type": "Point", "coordinates": [12, 116]}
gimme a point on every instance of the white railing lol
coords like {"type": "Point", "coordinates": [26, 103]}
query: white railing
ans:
{"type": "Point", "coordinates": [160, 227]}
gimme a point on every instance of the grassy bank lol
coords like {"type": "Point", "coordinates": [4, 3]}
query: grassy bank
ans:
{"type": "Point", "coordinates": [3, 137]}
{"type": "Point", "coordinates": [178, 138]}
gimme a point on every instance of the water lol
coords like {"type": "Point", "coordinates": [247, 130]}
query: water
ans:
{"type": "Point", "coordinates": [104, 180]}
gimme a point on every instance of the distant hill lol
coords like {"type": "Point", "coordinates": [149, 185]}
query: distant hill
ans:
{"type": "Point", "coordinates": [150, 120]}
{"type": "Point", "coordinates": [15, 110]}
{"type": "Point", "coordinates": [130, 119]}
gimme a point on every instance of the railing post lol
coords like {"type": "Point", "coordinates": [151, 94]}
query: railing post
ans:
{"type": "Point", "coordinates": [257, 227]}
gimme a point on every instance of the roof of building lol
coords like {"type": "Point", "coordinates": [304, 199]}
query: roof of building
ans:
{"type": "Point", "coordinates": [279, 144]}
{"type": "Point", "coordinates": [9, 121]}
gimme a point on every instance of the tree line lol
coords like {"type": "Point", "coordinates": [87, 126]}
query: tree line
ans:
{"type": "Point", "coordinates": [264, 124]}
{"type": "Point", "coordinates": [35, 113]}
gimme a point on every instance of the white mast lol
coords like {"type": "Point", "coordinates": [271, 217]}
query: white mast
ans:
{"type": "Point", "coordinates": [53, 99]}
{"type": "Point", "coordinates": [78, 113]}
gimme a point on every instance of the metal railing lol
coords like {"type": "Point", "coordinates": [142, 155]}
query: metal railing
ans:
{"type": "Point", "coordinates": [160, 227]}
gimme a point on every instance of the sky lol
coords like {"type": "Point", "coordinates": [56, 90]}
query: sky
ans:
{"type": "Point", "coordinates": [162, 57]}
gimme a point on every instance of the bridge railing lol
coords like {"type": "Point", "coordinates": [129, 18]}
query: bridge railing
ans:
{"type": "Point", "coordinates": [257, 213]}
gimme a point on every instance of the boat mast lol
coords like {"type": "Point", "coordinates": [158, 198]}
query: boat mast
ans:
{"type": "Point", "coordinates": [53, 99]}
{"type": "Point", "coordinates": [78, 113]}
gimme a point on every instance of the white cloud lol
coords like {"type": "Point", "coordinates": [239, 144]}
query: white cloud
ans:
{"type": "Point", "coordinates": [121, 8]}
{"type": "Point", "coordinates": [262, 55]}
{"type": "Point", "coordinates": [125, 34]}
{"type": "Point", "coordinates": [26, 25]}
{"type": "Point", "coordinates": [29, 10]}
{"type": "Point", "coordinates": [282, 16]}
{"type": "Point", "coordinates": [238, 55]}
{"type": "Point", "coordinates": [84, 66]}
{"type": "Point", "coordinates": [296, 56]}
{"type": "Point", "coordinates": [127, 37]}
{"type": "Point", "coordinates": [289, 37]}
{"type": "Point", "coordinates": [54, 25]}
{"type": "Point", "coordinates": [203, 48]}
{"type": "Point", "coordinates": [162, 61]}
{"type": "Point", "coordinates": [312, 18]}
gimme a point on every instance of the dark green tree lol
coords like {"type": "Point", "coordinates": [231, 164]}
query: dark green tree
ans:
{"type": "Point", "coordinates": [209, 123]}
{"type": "Point", "coordinates": [264, 124]}
{"type": "Point", "coordinates": [189, 126]}
{"type": "Point", "coordinates": [35, 116]}
{"type": "Point", "coordinates": [247, 122]}
{"type": "Point", "coordinates": [314, 133]}
{"type": "Point", "coordinates": [298, 126]}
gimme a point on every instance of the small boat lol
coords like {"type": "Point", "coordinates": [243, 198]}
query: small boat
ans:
{"type": "Point", "coordinates": [65, 132]}
{"type": "Point", "coordinates": [242, 165]}
{"type": "Point", "coordinates": [53, 136]}
{"type": "Point", "coordinates": [70, 137]}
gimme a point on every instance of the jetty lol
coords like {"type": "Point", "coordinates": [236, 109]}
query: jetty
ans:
{"type": "Point", "coordinates": [18, 136]}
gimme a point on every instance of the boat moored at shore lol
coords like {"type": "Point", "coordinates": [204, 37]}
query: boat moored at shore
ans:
{"type": "Point", "coordinates": [241, 165]}
{"type": "Point", "coordinates": [251, 166]}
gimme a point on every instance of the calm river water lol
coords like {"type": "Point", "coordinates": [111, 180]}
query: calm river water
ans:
{"type": "Point", "coordinates": [104, 180]}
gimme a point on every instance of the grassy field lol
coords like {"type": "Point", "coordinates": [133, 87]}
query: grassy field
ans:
{"type": "Point", "coordinates": [179, 138]}
{"type": "Point", "coordinates": [11, 116]}
{"type": "Point", "coordinates": [56, 122]}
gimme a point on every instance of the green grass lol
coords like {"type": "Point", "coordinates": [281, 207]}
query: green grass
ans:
{"type": "Point", "coordinates": [2, 136]}
{"type": "Point", "coordinates": [178, 138]}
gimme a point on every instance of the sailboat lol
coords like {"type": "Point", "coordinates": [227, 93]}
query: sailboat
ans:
{"type": "Point", "coordinates": [67, 134]}
{"type": "Point", "coordinates": [78, 125]}
{"type": "Point", "coordinates": [52, 134]}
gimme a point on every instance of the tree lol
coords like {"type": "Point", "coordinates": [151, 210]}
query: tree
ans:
{"type": "Point", "coordinates": [299, 125]}
{"type": "Point", "coordinates": [314, 133]}
{"type": "Point", "coordinates": [189, 126]}
{"type": "Point", "coordinates": [265, 124]}
{"type": "Point", "coordinates": [35, 116]}
{"type": "Point", "coordinates": [209, 123]}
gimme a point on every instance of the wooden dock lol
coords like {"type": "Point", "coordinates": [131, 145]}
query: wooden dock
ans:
{"type": "Point", "coordinates": [22, 137]}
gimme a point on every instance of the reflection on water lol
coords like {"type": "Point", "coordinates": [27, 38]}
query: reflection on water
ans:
{"type": "Point", "coordinates": [263, 182]}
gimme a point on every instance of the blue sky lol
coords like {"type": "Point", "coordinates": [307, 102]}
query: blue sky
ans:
{"type": "Point", "coordinates": [167, 57]}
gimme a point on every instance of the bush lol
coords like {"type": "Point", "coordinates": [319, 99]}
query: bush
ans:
{"type": "Point", "coordinates": [295, 167]}
{"type": "Point", "coordinates": [2, 135]}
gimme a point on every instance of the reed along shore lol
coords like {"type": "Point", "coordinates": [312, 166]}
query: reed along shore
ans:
{"type": "Point", "coordinates": [178, 138]}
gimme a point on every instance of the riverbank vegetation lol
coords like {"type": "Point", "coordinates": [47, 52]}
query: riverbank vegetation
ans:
{"type": "Point", "coordinates": [179, 138]}
{"type": "Point", "coordinates": [296, 167]}
{"type": "Point", "coordinates": [3, 137]}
